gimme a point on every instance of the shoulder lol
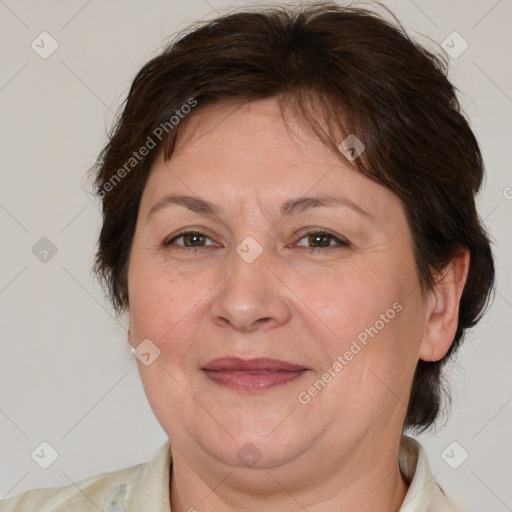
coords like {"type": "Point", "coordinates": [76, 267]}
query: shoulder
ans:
{"type": "Point", "coordinates": [86, 495]}
{"type": "Point", "coordinates": [442, 503]}
{"type": "Point", "coordinates": [139, 488]}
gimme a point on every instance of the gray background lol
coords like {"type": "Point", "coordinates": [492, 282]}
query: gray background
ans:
{"type": "Point", "coordinates": [67, 375]}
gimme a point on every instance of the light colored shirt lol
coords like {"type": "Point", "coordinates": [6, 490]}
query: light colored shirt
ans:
{"type": "Point", "coordinates": [145, 488]}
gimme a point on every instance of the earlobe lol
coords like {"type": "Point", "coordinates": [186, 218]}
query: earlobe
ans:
{"type": "Point", "coordinates": [129, 329]}
{"type": "Point", "coordinates": [443, 308]}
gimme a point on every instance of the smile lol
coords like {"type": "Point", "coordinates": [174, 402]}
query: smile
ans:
{"type": "Point", "coordinates": [253, 374]}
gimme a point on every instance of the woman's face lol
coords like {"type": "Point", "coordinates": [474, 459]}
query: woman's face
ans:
{"type": "Point", "coordinates": [296, 258]}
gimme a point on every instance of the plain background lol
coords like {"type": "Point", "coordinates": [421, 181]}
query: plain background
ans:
{"type": "Point", "coordinates": [67, 375]}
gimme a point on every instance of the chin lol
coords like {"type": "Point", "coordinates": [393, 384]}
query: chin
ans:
{"type": "Point", "coordinates": [258, 447]}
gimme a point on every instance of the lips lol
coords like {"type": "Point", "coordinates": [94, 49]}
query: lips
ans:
{"type": "Point", "coordinates": [260, 364]}
{"type": "Point", "coordinates": [251, 374]}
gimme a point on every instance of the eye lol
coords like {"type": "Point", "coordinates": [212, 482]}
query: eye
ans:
{"type": "Point", "coordinates": [189, 240]}
{"type": "Point", "coordinates": [321, 240]}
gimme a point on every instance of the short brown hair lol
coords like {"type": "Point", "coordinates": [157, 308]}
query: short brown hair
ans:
{"type": "Point", "coordinates": [343, 70]}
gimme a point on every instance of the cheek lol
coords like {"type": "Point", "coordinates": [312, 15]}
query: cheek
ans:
{"type": "Point", "coordinates": [346, 298]}
{"type": "Point", "coordinates": [165, 305]}
{"type": "Point", "coordinates": [385, 367]}
{"type": "Point", "coordinates": [371, 367]}
{"type": "Point", "coordinates": [162, 309]}
{"type": "Point", "coordinates": [154, 304]}
{"type": "Point", "coordinates": [370, 318]}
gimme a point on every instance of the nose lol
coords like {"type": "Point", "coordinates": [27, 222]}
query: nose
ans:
{"type": "Point", "coordinates": [250, 297]}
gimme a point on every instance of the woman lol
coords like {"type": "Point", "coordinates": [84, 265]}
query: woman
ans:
{"type": "Point", "coordinates": [289, 220]}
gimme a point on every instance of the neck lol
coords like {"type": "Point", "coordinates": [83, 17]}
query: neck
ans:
{"type": "Point", "coordinates": [372, 483]}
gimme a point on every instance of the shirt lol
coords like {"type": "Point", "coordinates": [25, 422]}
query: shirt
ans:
{"type": "Point", "coordinates": [145, 488]}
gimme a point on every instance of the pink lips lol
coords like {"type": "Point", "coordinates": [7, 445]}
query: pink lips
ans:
{"type": "Point", "coordinates": [251, 374]}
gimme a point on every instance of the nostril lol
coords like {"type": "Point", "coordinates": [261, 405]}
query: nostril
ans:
{"type": "Point", "coordinates": [263, 320]}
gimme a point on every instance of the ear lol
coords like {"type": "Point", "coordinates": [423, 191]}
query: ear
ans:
{"type": "Point", "coordinates": [443, 308]}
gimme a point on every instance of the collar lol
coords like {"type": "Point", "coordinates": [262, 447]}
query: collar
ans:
{"type": "Point", "coordinates": [152, 490]}
{"type": "Point", "coordinates": [416, 470]}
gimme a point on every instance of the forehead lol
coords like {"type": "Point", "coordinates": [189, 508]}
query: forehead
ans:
{"type": "Point", "coordinates": [259, 124]}
{"type": "Point", "coordinates": [237, 151]}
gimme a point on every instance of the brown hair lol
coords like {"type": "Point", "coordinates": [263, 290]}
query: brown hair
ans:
{"type": "Point", "coordinates": [343, 70]}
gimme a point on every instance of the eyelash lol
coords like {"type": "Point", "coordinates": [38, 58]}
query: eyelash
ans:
{"type": "Point", "coordinates": [342, 243]}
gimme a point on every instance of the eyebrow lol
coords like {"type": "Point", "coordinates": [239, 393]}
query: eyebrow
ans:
{"type": "Point", "coordinates": [290, 207]}
{"type": "Point", "coordinates": [295, 206]}
{"type": "Point", "coordinates": [192, 203]}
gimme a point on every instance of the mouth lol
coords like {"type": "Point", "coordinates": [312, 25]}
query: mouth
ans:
{"type": "Point", "coordinates": [251, 374]}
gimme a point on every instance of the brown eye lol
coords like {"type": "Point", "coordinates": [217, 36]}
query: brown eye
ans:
{"type": "Point", "coordinates": [321, 240]}
{"type": "Point", "coordinates": [189, 240]}
{"type": "Point", "coordinates": [193, 240]}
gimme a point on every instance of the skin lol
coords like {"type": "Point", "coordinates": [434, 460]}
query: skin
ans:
{"type": "Point", "coordinates": [295, 303]}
